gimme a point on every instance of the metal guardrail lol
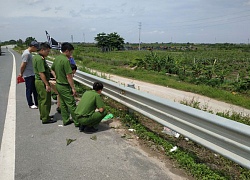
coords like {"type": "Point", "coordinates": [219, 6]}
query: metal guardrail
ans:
{"type": "Point", "coordinates": [226, 137]}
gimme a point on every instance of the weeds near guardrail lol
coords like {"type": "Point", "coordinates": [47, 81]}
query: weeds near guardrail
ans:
{"type": "Point", "coordinates": [197, 160]}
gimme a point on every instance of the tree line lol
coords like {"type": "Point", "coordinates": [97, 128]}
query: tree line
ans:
{"type": "Point", "coordinates": [107, 42]}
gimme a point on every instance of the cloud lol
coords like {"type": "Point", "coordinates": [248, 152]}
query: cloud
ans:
{"type": "Point", "coordinates": [32, 2]}
{"type": "Point", "coordinates": [58, 8]}
{"type": "Point", "coordinates": [155, 32]}
{"type": "Point", "coordinates": [92, 29]}
{"type": "Point", "coordinates": [46, 9]}
{"type": "Point", "coordinates": [247, 2]}
{"type": "Point", "coordinates": [4, 25]}
{"type": "Point", "coordinates": [160, 19]}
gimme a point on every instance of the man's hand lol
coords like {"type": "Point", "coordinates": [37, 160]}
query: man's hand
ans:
{"type": "Point", "coordinates": [47, 88]}
{"type": "Point", "coordinates": [74, 92]}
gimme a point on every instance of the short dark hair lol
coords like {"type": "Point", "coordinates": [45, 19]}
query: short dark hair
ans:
{"type": "Point", "coordinates": [35, 44]}
{"type": "Point", "coordinates": [73, 67]}
{"type": "Point", "coordinates": [97, 86]}
{"type": "Point", "coordinates": [67, 46]}
{"type": "Point", "coordinates": [44, 46]}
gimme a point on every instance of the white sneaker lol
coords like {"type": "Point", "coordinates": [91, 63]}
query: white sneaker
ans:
{"type": "Point", "coordinates": [33, 107]}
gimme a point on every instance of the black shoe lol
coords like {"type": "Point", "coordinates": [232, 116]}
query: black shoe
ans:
{"type": "Point", "coordinates": [68, 123]}
{"type": "Point", "coordinates": [81, 128]}
{"type": "Point", "coordinates": [51, 117]}
{"type": "Point", "coordinates": [90, 130]}
{"type": "Point", "coordinates": [49, 121]}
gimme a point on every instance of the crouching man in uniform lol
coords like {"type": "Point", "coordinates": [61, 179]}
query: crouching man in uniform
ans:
{"type": "Point", "coordinates": [90, 110]}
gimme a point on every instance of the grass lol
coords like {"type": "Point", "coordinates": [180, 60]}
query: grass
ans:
{"type": "Point", "coordinates": [165, 80]}
{"type": "Point", "coordinates": [196, 160]}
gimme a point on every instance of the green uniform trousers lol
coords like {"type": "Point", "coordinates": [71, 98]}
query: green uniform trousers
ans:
{"type": "Point", "coordinates": [92, 120]}
{"type": "Point", "coordinates": [67, 103]}
{"type": "Point", "coordinates": [44, 100]}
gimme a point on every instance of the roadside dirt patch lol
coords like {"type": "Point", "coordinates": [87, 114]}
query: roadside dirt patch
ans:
{"type": "Point", "coordinates": [152, 151]}
{"type": "Point", "coordinates": [176, 95]}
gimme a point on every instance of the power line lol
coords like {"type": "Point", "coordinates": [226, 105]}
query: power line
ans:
{"type": "Point", "coordinates": [215, 17]}
{"type": "Point", "coordinates": [213, 21]}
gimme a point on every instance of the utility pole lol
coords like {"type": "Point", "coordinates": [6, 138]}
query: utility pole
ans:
{"type": "Point", "coordinates": [139, 36]}
{"type": "Point", "coordinates": [72, 38]}
{"type": "Point", "coordinates": [83, 37]}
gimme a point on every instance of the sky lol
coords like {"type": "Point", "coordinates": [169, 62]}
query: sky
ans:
{"type": "Point", "coordinates": [147, 21]}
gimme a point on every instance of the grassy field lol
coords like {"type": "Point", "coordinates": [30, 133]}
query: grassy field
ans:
{"type": "Point", "coordinates": [219, 72]}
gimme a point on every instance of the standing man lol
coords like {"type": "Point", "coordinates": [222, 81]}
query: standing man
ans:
{"type": "Point", "coordinates": [65, 84]}
{"type": "Point", "coordinates": [53, 86]}
{"type": "Point", "coordinates": [42, 73]}
{"type": "Point", "coordinates": [26, 71]}
{"type": "Point", "coordinates": [90, 110]}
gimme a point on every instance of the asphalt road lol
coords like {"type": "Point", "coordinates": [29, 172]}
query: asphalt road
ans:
{"type": "Point", "coordinates": [5, 77]}
{"type": "Point", "coordinates": [41, 152]}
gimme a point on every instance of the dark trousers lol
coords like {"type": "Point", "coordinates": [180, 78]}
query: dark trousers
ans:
{"type": "Point", "coordinates": [31, 89]}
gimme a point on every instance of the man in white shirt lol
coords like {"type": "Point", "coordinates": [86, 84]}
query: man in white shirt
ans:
{"type": "Point", "coordinates": [26, 71]}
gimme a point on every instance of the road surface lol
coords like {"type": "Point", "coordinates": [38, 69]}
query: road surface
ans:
{"type": "Point", "coordinates": [33, 151]}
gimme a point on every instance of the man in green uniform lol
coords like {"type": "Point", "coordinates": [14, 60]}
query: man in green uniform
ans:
{"type": "Point", "coordinates": [42, 76]}
{"type": "Point", "coordinates": [90, 110]}
{"type": "Point", "coordinates": [65, 84]}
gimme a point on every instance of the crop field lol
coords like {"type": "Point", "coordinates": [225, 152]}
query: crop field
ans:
{"type": "Point", "coordinates": [220, 71]}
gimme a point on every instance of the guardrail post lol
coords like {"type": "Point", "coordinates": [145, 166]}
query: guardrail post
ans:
{"type": "Point", "coordinates": [131, 111]}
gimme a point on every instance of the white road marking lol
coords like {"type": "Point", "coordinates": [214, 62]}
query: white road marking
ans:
{"type": "Point", "coordinates": [7, 152]}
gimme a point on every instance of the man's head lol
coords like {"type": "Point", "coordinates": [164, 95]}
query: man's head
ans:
{"type": "Point", "coordinates": [34, 46]}
{"type": "Point", "coordinates": [44, 49]}
{"type": "Point", "coordinates": [74, 68]}
{"type": "Point", "coordinates": [98, 86]}
{"type": "Point", "coordinates": [67, 49]}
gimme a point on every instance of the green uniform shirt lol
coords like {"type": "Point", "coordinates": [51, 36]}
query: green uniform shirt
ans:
{"type": "Point", "coordinates": [40, 66]}
{"type": "Point", "coordinates": [88, 103]}
{"type": "Point", "coordinates": [62, 67]}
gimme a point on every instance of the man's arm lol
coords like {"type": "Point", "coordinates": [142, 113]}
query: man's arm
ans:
{"type": "Point", "coordinates": [100, 104]}
{"type": "Point", "coordinates": [53, 73]}
{"type": "Point", "coordinates": [71, 83]}
{"type": "Point", "coordinates": [43, 77]}
{"type": "Point", "coordinates": [22, 68]}
{"type": "Point", "coordinates": [99, 110]}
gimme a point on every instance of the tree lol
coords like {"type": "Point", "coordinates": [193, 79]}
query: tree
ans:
{"type": "Point", "coordinates": [28, 40]}
{"type": "Point", "coordinates": [109, 42]}
{"type": "Point", "coordinates": [102, 41]}
{"type": "Point", "coordinates": [19, 42]}
{"type": "Point", "coordinates": [116, 41]}
{"type": "Point", "coordinates": [12, 42]}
